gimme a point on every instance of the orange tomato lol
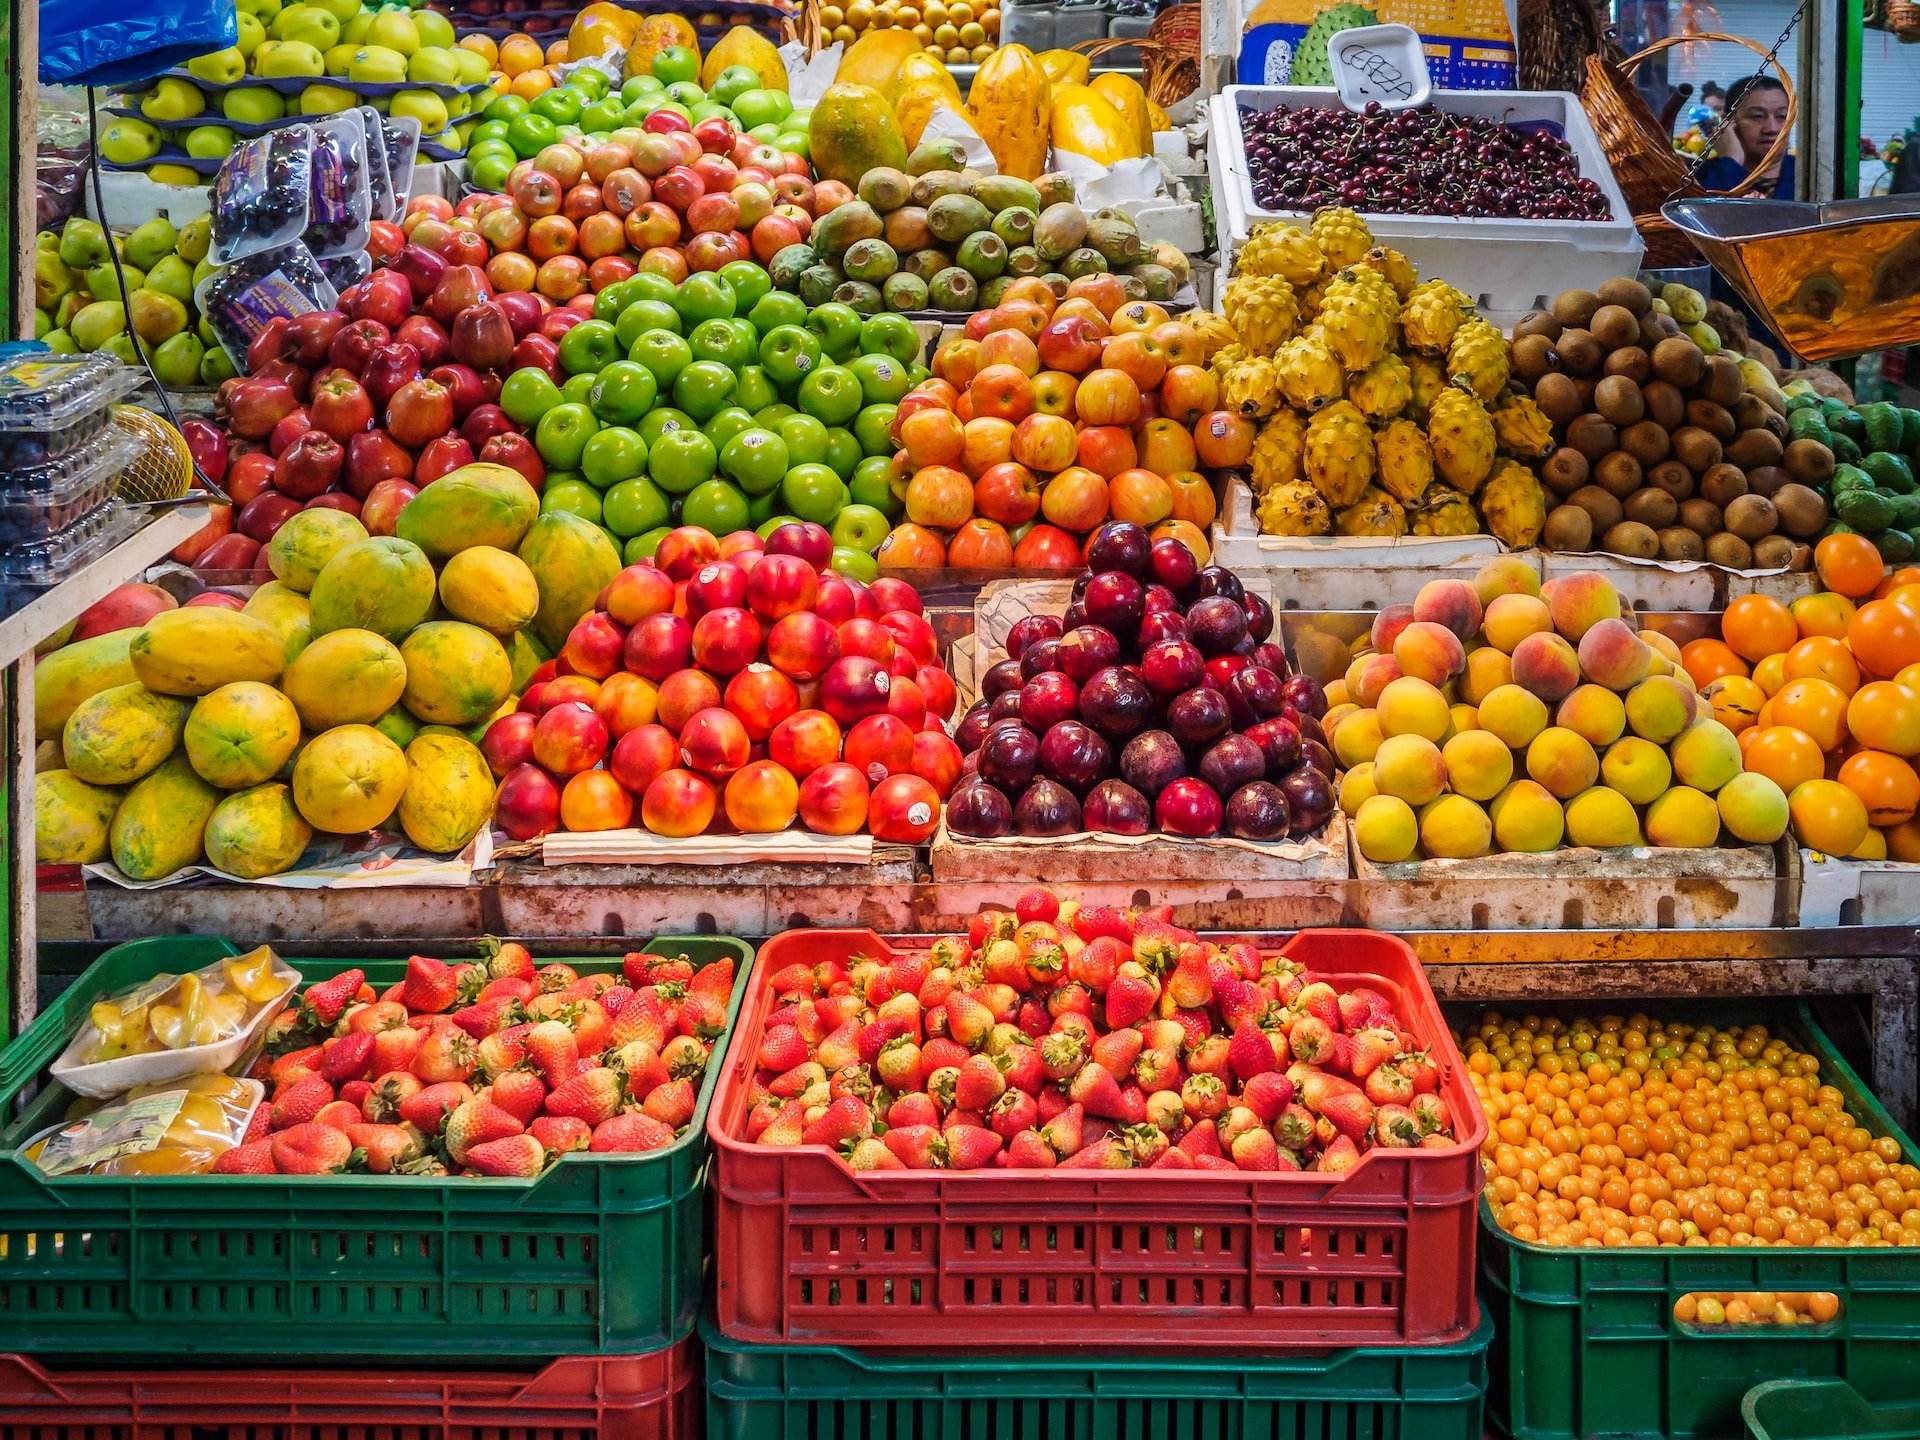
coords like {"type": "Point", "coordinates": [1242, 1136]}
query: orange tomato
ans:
{"type": "Point", "coordinates": [1884, 636]}
{"type": "Point", "coordinates": [1905, 575]}
{"type": "Point", "coordinates": [1756, 626]}
{"type": "Point", "coordinates": [1885, 784]}
{"type": "Point", "coordinates": [1885, 715]}
{"type": "Point", "coordinates": [1903, 841]}
{"type": "Point", "coordinates": [1821, 657]}
{"type": "Point", "coordinates": [1828, 816]}
{"type": "Point", "coordinates": [1872, 846]}
{"type": "Point", "coordinates": [1849, 565]}
{"type": "Point", "coordinates": [1909, 676]}
{"type": "Point", "coordinates": [1771, 673]}
{"type": "Point", "coordinates": [1786, 756]}
{"type": "Point", "coordinates": [1818, 707]}
{"type": "Point", "coordinates": [1822, 614]}
{"type": "Point", "coordinates": [1708, 660]}
{"type": "Point", "coordinates": [1736, 700]}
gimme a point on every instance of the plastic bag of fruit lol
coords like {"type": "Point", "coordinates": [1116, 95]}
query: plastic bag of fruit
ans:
{"type": "Point", "coordinates": [176, 1128]}
{"type": "Point", "coordinates": [339, 205]}
{"type": "Point", "coordinates": [174, 1026]}
{"type": "Point", "coordinates": [262, 194]}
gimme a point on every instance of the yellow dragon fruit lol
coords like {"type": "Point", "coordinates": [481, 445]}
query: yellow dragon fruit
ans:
{"type": "Point", "coordinates": [1406, 461]}
{"type": "Point", "coordinates": [1214, 331]}
{"type": "Point", "coordinates": [1310, 374]}
{"type": "Point", "coordinates": [1521, 428]}
{"type": "Point", "coordinates": [1461, 434]}
{"type": "Point", "coordinates": [1383, 389]}
{"type": "Point", "coordinates": [1514, 505]}
{"type": "Point", "coordinates": [1263, 311]}
{"type": "Point", "coordinates": [1342, 236]}
{"type": "Point", "coordinates": [1427, 380]}
{"type": "Point", "coordinates": [1251, 387]}
{"type": "Point", "coordinates": [1277, 450]}
{"type": "Point", "coordinates": [1357, 327]}
{"type": "Point", "coordinates": [1294, 508]}
{"type": "Point", "coordinates": [1374, 513]}
{"type": "Point", "coordinates": [1339, 453]}
{"type": "Point", "coordinates": [1397, 269]}
{"type": "Point", "coordinates": [1277, 248]}
{"type": "Point", "coordinates": [1442, 510]}
{"type": "Point", "coordinates": [1478, 358]}
{"type": "Point", "coordinates": [1431, 314]}
{"type": "Point", "coordinates": [1371, 283]}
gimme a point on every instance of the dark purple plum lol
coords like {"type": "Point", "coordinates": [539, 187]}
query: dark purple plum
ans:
{"type": "Point", "coordinates": [1313, 753]}
{"type": "Point", "coordinates": [1115, 808]}
{"type": "Point", "coordinates": [1199, 716]}
{"type": "Point", "coordinates": [1305, 694]}
{"type": "Point", "coordinates": [1029, 628]}
{"type": "Point", "coordinates": [1117, 702]}
{"type": "Point", "coordinates": [1310, 728]}
{"type": "Point", "coordinates": [1159, 625]}
{"type": "Point", "coordinates": [1159, 597]}
{"type": "Point", "coordinates": [1009, 757]}
{"type": "Point", "coordinates": [1309, 800]}
{"type": "Point", "coordinates": [1075, 617]}
{"type": "Point", "coordinates": [1170, 666]}
{"type": "Point", "coordinates": [1259, 617]}
{"type": "Point", "coordinates": [1046, 700]}
{"type": "Point", "coordinates": [972, 728]}
{"type": "Point", "coordinates": [1173, 565]}
{"type": "Point", "coordinates": [1279, 741]}
{"type": "Point", "coordinates": [1151, 761]}
{"type": "Point", "coordinates": [1254, 695]}
{"type": "Point", "coordinates": [1039, 657]}
{"type": "Point", "coordinates": [1118, 545]}
{"type": "Point", "coordinates": [1075, 755]}
{"type": "Point", "coordinates": [1218, 580]}
{"type": "Point", "coordinates": [1001, 677]}
{"type": "Point", "coordinates": [1048, 808]}
{"type": "Point", "coordinates": [1189, 807]}
{"type": "Point", "coordinates": [1259, 811]}
{"type": "Point", "coordinates": [1086, 649]}
{"type": "Point", "coordinates": [1005, 706]}
{"type": "Point", "coordinates": [978, 809]}
{"type": "Point", "coordinates": [1115, 601]}
{"type": "Point", "coordinates": [1216, 624]}
{"type": "Point", "coordinates": [1230, 762]}
{"type": "Point", "coordinates": [1273, 657]}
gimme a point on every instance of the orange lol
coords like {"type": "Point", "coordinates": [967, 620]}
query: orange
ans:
{"type": "Point", "coordinates": [483, 46]}
{"type": "Point", "coordinates": [1884, 636]}
{"type": "Point", "coordinates": [1885, 715]}
{"type": "Point", "coordinates": [557, 52]}
{"type": "Point", "coordinates": [1849, 565]}
{"type": "Point", "coordinates": [1822, 614]}
{"type": "Point", "coordinates": [519, 53]}
{"type": "Point", "coordinates": [1707, 660]}
{"type": "Point", "coordinates": [531, 84]}
{"type": "Point", "coordinates": [1821, 657]}
{"type": "Point", "coordinates": [1828, 816]}
{"type": "Point", "coordinates": [1756, 626]}
{"type": "Point", "coordinates": [1786, 756]}
{"type": "Point", "coordinates": [1818, 707]}
{"type": "Point", "coordinates": [1736, 700]}
{"type": "Point", "coordinates": [1771, 673]}
{"type": "Point", "coordinates": [1903, 841]}
{"type": "Point", "coordinates": [1885, 784]}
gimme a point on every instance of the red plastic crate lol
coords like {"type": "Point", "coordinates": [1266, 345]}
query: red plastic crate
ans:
{"type": "Point", "coordinates": [807, 1251]}
{"type": "Point", "coordinates": [595, 1397]}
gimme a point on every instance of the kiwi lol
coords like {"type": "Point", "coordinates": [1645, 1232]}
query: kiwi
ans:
{"type": "Point", "coordinates": [1600, 504]}
{"type": "Point", "coordinates": [1678, 361]}
{"type": "Point", "coordinates": [1568, 527]}
{"type": "Point", "coordinates": [1655, 327]}
{"type": "Point", "coordinates": [1631, 539]}
{"type": "Point", "coordinates": [1538, 322]}
{"type": "Point", "coordinates": [1701, 516]}
{"type": "Point", "coordinates": [1565, 471]}
{"type": "Point", "coordinates": [1802, 510]}
{"type": "Point", "coordinates": [1533, 356]}
{"type": "Point", "coordinates": [1575, 307]}
{"type": "Point", "coordinates": [1652, 507]}
{"type": "Point", "coordinates": [1648, 442]}
{"type": "Point", "coordinates": [1808, 461]}
{"type": "Point", "coordinates": [1614, 326]}
{"type": "Point", "coordinates": [1593, 436]}
{"type": "Point", "coordinates": [1618, 474]}
{"type": "Point", "coordinates": [1774, 552]}
{"type": "Point", "coordinates": [1715, 419]}
{"type": "Point", "coordinates": [1666, 406]}
{"type": "Point", "coordinates": [1626, 292]}
{"type": "Point", "coordinates": [1723, 484]}
{"type": "Point", "coordinates": [1677, 542]}
{"type": "Point", "coordinates": [1673, 478]}
{"type": "Point", "coordinates": [1750, 412]}
{"type": "Point", "coordinates": [1619, 402]}
{"type": "Point", "coordinates": [1580, 352]}
{"type": "Point", "coordinates": [1556, 396]}
{"type": "Point", "coordinates": [1696, 449]}
{"type": "Point", "coordinates": [1584, 386]}
{"type": "Point", "coordinates": [1722, 383]}
{"type": "Point", "coordinates": [1802, 557]}
{"type": "Point", "coordinates": [1631, 361]}
{"type": "Point", "coordinates": [1751, 449]}
{"type": "Point", "coordinates": [1752, 517]}
{"type": "Point", "coordinates": [1729, 550]}
{"type": "Point", "coordinates": [1766, 480]}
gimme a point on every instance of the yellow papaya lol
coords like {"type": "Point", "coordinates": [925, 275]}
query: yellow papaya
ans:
{"type": "Point", "coordinates": [853, 131]}
{"type": "Point", "coordinates": [478, 504]}
{"type": "Point", "coordinates": [1008, 104]}
{"type": "Point", "coordinates": [875, 61]}
{"type": "Point", "coordinates": [198, 648]}
{"type": "Point", "coordinates": [117, 736]}
{"type": "Point", "coordinates": [1158, 118]}
{"type": "Point", "coordinates": [449, 792]}
{"type": "Point", "coordinates": [744, 45]}
{"type": "Point", "coordinates": [70, 819]}
{"type": "Point", "coordinates": [72, 673]}
{"type": "Point", "coordinates": [917, 103]}
{"type": "Point", "coordinates": [1083, 123]}
{"type": "Point", "coordinates": [349, 779]}
{"type": "Point", "coordinates": [1065, 67]}
{"type": "Point", "coordinates": [572, 559]}
{"type": "Point", "coordinates": [159, 826]}
{"type": "Point", "coordinates": [256, 832]}
{"type": "Point", "coordinates": [241, 734]}
{"type": "Point", "coordinates": [456, 672]}
{"type": "Point", "coordinates": [286, 610]}
{"type": "Point", "coordinates": [1123, 92]}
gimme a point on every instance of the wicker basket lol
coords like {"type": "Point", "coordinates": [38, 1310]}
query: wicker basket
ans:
{"type": "Point", "coordinates": [1644, 161]}
{"type": "Point", "coordinates": [1169, 54]}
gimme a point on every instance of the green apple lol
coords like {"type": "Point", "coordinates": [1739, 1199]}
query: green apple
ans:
{"type": "Point", "coordinates": [686, 92]}
{"type": "Point", "coordinates": [153, 239]}
{"type": "Point", "coordinates": [423, 105]}
{"type": "Point", "coordinates": [287, 59]}
{"type": "Point", "coordinates": [210, 142]}
{"type": "Point", "coordinates": [733, 82]}
{"type": "Point", "coordinates": [173, 99]}
{"type": "Point", "coordinates": [177, 361]}
{"type": "Point", "coordinates": [860, 527]}
{"type": "Point", "coordinates": [458, 106]}
{"type": "Point", "coordinates": [83, 244]}
{"type": "Point", "coordinates": [469, 65]}
{"type": "Point", "coordinates": [756, 106]}
{"type": "Point", "coordinates": [395, 30]}
{"type": "Point", "coordinates": [378, 64]}
{"type": "Point", "coordinates": [433, 28]}
{"type": "Point", "coordinates": [341, 10]}
{"type": "Point", "coordinates": [97, 323]}
{"type": "Point", "coordinates": [215, 366]}
{"type": "Point", "coordinates": [250, 33]}
{"type": "Point", "coordinates": [433, 66]}
{"type": "Point", "coordinates": [675, 64]}
{"type": "Point", "coordinates": [326, 100]}
{"type": "Point", "coordinates": [221, 67]}
{"type": "Point", "coordinates": [307, 23]}
{"type": "Point", "coordinates": [252, 104]}
{"type": "Point", "coordinates": [489, 171]}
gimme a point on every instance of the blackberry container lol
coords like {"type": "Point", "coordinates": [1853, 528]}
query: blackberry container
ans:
{"type": "Point", "coordinates": [52, 405]}
{"type": "Point", "coordinates": [44, 500]}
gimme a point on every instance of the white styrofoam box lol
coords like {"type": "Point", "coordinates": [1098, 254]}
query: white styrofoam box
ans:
{"type": "Point", "coordinates": [1835, 891]}
{"type": "Point", "coordinates": [1176, 221]}
{"type": "Point", "coordinates": [1533, 260]}
{"type": "Point", "coordinates": [131, 198]}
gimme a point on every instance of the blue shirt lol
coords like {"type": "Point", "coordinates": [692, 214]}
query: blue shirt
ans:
{"type": "Point", "coordinates": [1723, 172]}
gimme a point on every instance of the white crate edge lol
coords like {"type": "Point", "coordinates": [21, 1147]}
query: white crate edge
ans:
{"type": "Point", "coordinates": [1238, 544]}
{"type": "Point", "coordinates": [1836, 892]}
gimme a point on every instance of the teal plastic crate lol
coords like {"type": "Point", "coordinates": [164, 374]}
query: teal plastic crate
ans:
{"type": "Point", "coordinates": [1586, 1346]}
{"type": "Point", "coordinates": [1824, 1410]}
{"type": "Point", "coordinates": [763, 1392]}
{"type": "Point", "coordinates": [599, 1254]}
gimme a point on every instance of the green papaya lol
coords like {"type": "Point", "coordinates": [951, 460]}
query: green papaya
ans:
{"type": "Point", "coordinates": [1910, 430]}
{"type": "Point", "coordinates": [1845, 449]}
{"type": "Point", "coordinates": [1848, 477]}
{"type": "Point", "coordinates": [1867, 511]}
{"type": "Point", "coordinates": [1881, 422]}
{"type": "Point", "coordinates": [1895, 545]}
{"type": "Point", "coordinates": [1892, 474]}
{"type": "Point", "coordinates": [573, 560]}
{"type": "Point", "coordinates": [1906, 511]}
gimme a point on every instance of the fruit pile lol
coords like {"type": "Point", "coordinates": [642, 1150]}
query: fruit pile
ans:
{"type": "Point", "coordinates": [1871, 488]}
{"type": "Point", "coordinates": [1631, 1130]}
{"type": "Point", "coordinates": [1823, 697]}
{"type": "Point", "coordinates": [1048, 416]}
{"type": "Point", "coordinates": [77, 305]}
{"type": "Point", "coordinates": [958, 34]}
{"type": "Point", "coordinates": [733, 681]}
{"type": "Point", "coordinates": [346, 695]}
{"type": "Point", "coordinates": [491, 1068]}
{"type": "Point", "coordinates": [1452, 698]}
{"type": "Point", "coordinates": [1757, 1307]}
{"type": "Point", "coordinates": [1157, 702]}
{"type": "Point", "coordinates": [1382, 401]}
{"type": "Point", "coordinates": [1659, 449]}
{"type": "Point", "coordinates": [1419, 161]}
{"type": "Point", "coordinates": [1089, 1038]}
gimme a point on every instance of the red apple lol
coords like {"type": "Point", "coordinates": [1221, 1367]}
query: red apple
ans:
{"type": "Point", "coordinates": [255, 406]}
{"type": "Point", "coordinates": [372, 457]}
{"type": "Point", "coordinates": [290, 427]}
{"type": "Point", "coordinates": [463, 383]}
{"type": "Point", "coordinates": [313, 335]}
{"type": "Point", "coordinates": [461, 288]}
{"type": "Point", "coordinates": [264, 514]}
{"type": "Point", "coordinates": [250, 475]}
{"type": "Point", "coordinates": [441, 455]}
{"type": "Point", "coordinates": [419, 411]}
{"type": "Point", "coordinates": [310, 466]}
{"type": "Point", "coordinates": [388, 297]}
{"type": "Point", "coordinates": [355, 343]}
{"type": "Point", "coordinates": [228, 553]}
{"type": "Point", "coordinates": [380, 509]}
{"type": "Point", "coordinates": [125, 607]}
{"type": "Point", "coordinates": [483, 422]}
{"type": "Point", "coordinates": [528, 803]}
{"type": "Point", "coordinates": [516, 452]}
{"type": "Point", "coordinates": [482, 337]}
{"type": "Point", "coordinates": [342, 406]}
{"type": "Point", "coordinates": [275, 341]}
{"type": "Point", "coordinates": [522, 309]}
{"type": "Point", "coordinates": [336, 500]}
{"type": "Point", "coordinates": [426, 335]}
{"type": "Point", "coordinates": [537, 352]}
{"type": "Point", "coordinates": [421, 268]}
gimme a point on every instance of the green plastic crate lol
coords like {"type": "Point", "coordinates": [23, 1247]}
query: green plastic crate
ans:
{"type": "Point", "coordinates": [598, 1254]}
{"type": "Point", "coordinates": [763, 1392]}
{"type": "Point", "coordinates": [1586, 1346]}
{"type": "Point", "coordinates": [1824, 1410]}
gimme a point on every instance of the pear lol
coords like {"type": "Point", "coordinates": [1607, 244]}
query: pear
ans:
{"type": "Point", "coordinates": [157, 316]}
{"type": "Point", "coordinates": [121, 348]}
{"type": "Point", "coordinates": [150, 241]}
{"type": "Point", "coordinates": [52, 280]}
{"type": "Point", "coordinates": [60, 342]}
{"type": "Point", "coordinates": [203, 327]}
{"type": "Point", "coordinates": [172, 276]}
{"type": "Point", "coordinates": [176, 360]}
{"type": "Point", "coordinates": [214, 366]}
{"type": "Point", "coordinates": [71, 304]}
{"type": "Point", "coordinates": [173, 99]}
{"type": "Point", "coordinates": [220, 67]}
{"type": "Point", "coordinates": [83, 244]}
{"type": "Point", "coordinates": [98, 323]}
{"type": "Point", "coordinates": [202, 268]}
{"type": "Point", "coordinates": [105, 285]}
{"type": "Point", "coordinates": [42, 323]}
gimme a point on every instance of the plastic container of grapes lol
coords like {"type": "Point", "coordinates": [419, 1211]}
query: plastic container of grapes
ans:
{"type": "Point", "coordinates": [51, 405]}
{"type": "Point", "coordinates": [1532, 261]}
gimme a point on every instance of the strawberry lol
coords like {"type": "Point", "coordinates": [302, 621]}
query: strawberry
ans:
{"type": "Point", "coordinates": [1431, 1112]}
{"type": "Point", "coordinates": [253, 1158]}
{"type": "Point", "coordinates": [1212, 1056]}
{"type": "Point", "coordinates": [715, 978]}
{"type": "Point", "coordinates": [1240, 1002]}
{"type": "Point", "coordinates": [1116, 1051]}
{"type": "Point", "coordinates": [1310, 1039]}
{"type": "Point", "coordinates": [1389, 1085]}
{"type": "Point", "coordinates": [501, 1051]}
{"type": "Point", "coordinates": [559, 1134]}
{"type": "Point", "coordinates": [1092, 922]}
{"type": "Point", "coordinates": [554, 1051]}
{"type": "Point", "coordinates": [1173, 1158]}
{"type": "Point", "coordinates": [1097, 1092]}
{"type": "Point", "coordinates": [505, 958]}
{"type": "Point", "coordinates": [1200, 1141]}
{"type": "Point", "coordinates": [430, 986]}
{"type": "Point", "coordinates": [1037, 903]}
{"type": "Point", "coordinates": [346, 1057]}
{"type": "Point", "coordinates": [339, 1114]}
{"type": "Point", "coordinates": [641, 968]}
{"type": "Point", "coordinates": [1294, 1128]}
{"type": "Point", "coordinates": [324, 1002]}
{"type": "Point", "coordinates": [780, 1050]}
{"type": "Point", "coordinates": [839, 1048]}
{"type": "Point", "coordinates": [798, 1080]}
{"type": "Point", "coordinates": [1106, 1153]}
{"type": "Point", "coordinates": [1157, 1070]}
{"type": "Point", "coordinates": [685, 1057]}
{"type": "Point", "coordinates": [445, 1053]}
{"type": "Point", "coordinates": [259, 1125]}
{"type": "Point", "coordinates": [1395, 1128]}
{"type": "Point", "coordinates": [968, 1021]}
{"type": "Point", "coordinates": [847, 1118]}
{"type": "Point", "coordinates": [703, 1015]}
{"type": "Point", "coordinates": [1062, 1054]}
{"type": "Point", "coordinates": [1354, 1010]}
{"type": "Point", "coordinates": [385, 1148]}
{"type": "Point", "coordinates": [515, 1156]}
{"type": "Point", "coordinates": [1250, 1053]}
{"type": "Point", "coordinates": [309, 1149]}
{"type": "Point", "coordinates": [629, 1132]}
{"type": "Point", "coordinates": [1319, 1000]}
{"type": "Point", "coordinates": [393, 1050]}
{"type": "Point", "coordinates": [556, 975]}
{"type": "Point", "coordinates": [978, 1084]}
{"type": "Point", "coordinates": [1255, 1150]}
{"type": "Point", "coordinates": [383, 1015]}
{"type": "Point", "coordinates": [1267, 1095]}
{"type": "Point", "coordinates": [871, 1039]}
{"type": "Point", "coordinates": [614, 997]}
{"type": "Point", "coordinates": [1021, 1065]}
{"type": "Point", "coordinates": [1072, 998]}
{"type": "Point", "coordinates": [788, 980]}
{"type": "Point", "coordinates": [871, 1153]}
{"type": "Point", "coordinates": [427, 1108]}
{"type": "Point", "coordinates": [1065, 1133]}
{"type": "Point", "coordinates": [518, 1092]}
{"type": "Point", "coordinates": [915, 1109]}
{"type": "Point", "coordinates": [990, 924]}
{"type": "Point", "coordinates": [592, 1095]}
{"type": "Point", "coordinates": [484, 1017]}
{"type": "Point", "coordinates": [474, 1123]}
{"type": "Point", "coordinates": [1350, 1112]}
{"type": "Point", "coordinates": [1157, 947]}
{"type": "Point", "coordinates": [1026, 1150]}
{"type": "Point", "coordinates": [1131, 996]}
{"type": "Point", "coordinates": [298, 1103]}
{"type": "Point", "coordinates": [1012, 1113]}
{"type": "Point", "coordinates": [671, 1103]}
{"type": "Point", "coordinates": [898, 1064]}
{"type": "Point", "coordinates": [1422, 1070]}
{"type": "Point", "coordinates": [788, 1127]}
{"type": "Point", "coordinates": [939, 1053]}
{"type": "Point", "coordinates": [1339, 1157]}
{"type": "Point", "coordinates": [970, 1147]}
{"type": "Point", "coordinates": [644, 1018]}
{"type": "Point", "coordinates": [919, 1147]}
{"type": "Point", "coordinates": [1095, 965]}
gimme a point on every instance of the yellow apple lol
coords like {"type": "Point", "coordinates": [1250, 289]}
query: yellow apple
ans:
{"type": "Point", "coordinates": [253, 104]}
{"type": "Point", "coordinates": [221, 67]}
{"type": "Point", "coordinates": [433, 67]}
{"type": "Point", "coordinates": [326, 100]}
{"type": "Point", "coordinates": [287, 59]}
{"type": "Point", "coordinates": [173, 99]}
{"type": "Point", "coordinates": [128, 141]}
{"type": "Point", "coordinates": [423, 105]}
{"type": "Point", "coordinates": [434, 28]}
{"type": "Point", "coordinates": [252, 32]}
{"type": "Point", "coordinates": [395, 30]}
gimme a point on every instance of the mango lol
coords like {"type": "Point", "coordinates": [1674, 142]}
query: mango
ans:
{"type": "Point", "coordinates": [449, 793]}
{"type": "Point", "coordinates": [256, 832]}
{"type": "Point", "coordinates": [456, 672]}
{"type": "Point", "coordinates": [383, 584]}
{"type": "Point", "coordinates": [349, 779]}
{"type": "Point", "coordinates": [573, 560]}
{"type": "Point", "coordinates": [301, 548]}
{"type": "Point", "coordinates": [159, 826]}
{"type": "Point", "coordinates": [198, 648]}
{"type": "Point", "coordinates": [491, 588]}
{"type": "Point", "coordinates": [70, 819]}
{"type": "Point", "coordinates": [241, 734]}
{"type": "Point", "coordinates": [117, 736]}
{"type": "Point", "coordinates": [478, 504]}
{"type": "Point", "coordinates": [346, 677]}
{"type": "Point", "coordinates": [286, 611]}
{"type": "Point", "coordinates": [69, 675]}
